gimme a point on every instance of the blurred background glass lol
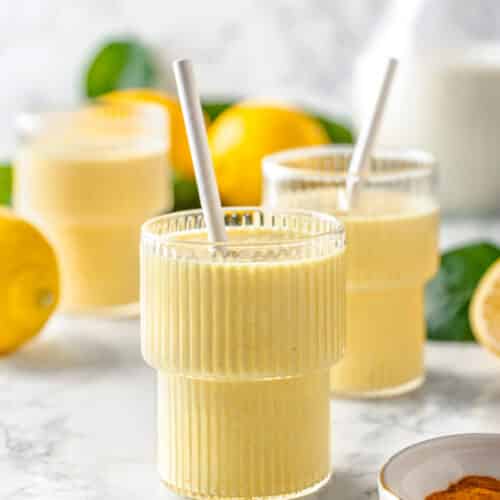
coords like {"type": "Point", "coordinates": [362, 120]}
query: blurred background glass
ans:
{"type": "Point", "coordinates": [321, 55]}
{"type": "Point", "coordinates": [89, 178]}
{"type": "Point", "coordinates": [446, 96]}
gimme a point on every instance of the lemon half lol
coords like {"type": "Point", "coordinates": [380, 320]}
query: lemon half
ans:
{"type": "Point", "coordinates": [484, 312]}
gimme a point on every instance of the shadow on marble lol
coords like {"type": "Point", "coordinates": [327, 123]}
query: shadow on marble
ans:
{"type": "Point", "coordinates": [56, 354]}
{"type": "Point", "coordinates": [343, 485]}
{"type": "Point", "coordinates": [81, 344]}
{"type": "Point", "coordinates": [123, 482]}
{"type": "Point", "coordinates": [454, 389]}
{"type": "Point", "coordinates": [460, 390]}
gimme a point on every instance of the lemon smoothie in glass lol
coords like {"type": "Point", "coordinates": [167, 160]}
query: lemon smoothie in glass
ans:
{"type": "Point", "coordinates": [242, 355]}
{"type": "Point", "coordinates": [89, 178]}
{"type": "Point", "coordinates": [392, 252]}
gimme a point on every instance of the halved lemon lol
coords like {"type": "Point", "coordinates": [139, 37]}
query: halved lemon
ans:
{"type": "Point", "coordinates": [484, 312]}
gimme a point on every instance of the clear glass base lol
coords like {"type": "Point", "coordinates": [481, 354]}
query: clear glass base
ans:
{"type": "Point", "coordinates": [285, 496]}
{"type": "Point", "coordinates": [388, 392]}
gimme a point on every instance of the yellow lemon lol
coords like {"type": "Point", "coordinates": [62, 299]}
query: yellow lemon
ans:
{"type": "Point", "coordinates": [484, 312]}
{"type": "Point", "coordinates": [243, 134]}
{"type": "Point", "coordinates": [181, 157]}
{"type": "Point", "coordinates": [29, 281]}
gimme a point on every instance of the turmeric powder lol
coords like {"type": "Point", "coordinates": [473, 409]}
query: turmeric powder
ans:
{"type": "Point", "coordinates": [470, 488]}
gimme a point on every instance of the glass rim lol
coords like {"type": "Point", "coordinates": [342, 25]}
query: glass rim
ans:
{"type": "Point", "coordinates": [275, 165]}
{"type": "Point", "coordinates": [337, 231]}
{"type": "Point", "coordinates": [30, 122]}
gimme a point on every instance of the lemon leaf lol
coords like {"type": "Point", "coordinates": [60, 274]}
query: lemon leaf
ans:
{"type": "Point", "coordinates": [185, 193]}
{"type": "Point", "coordinates": [214, 108]}
{"type": "Point", "coordinates": [448, 295]}
{"type": "Point", "coordinates": [338, 132]}
{"type": "Point", "coordinates": [119, 64]}
{"type": "Point", "coordinates": [5, 183]}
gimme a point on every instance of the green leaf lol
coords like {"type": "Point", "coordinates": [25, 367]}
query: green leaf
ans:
{"type": "Point", "coordinates": [185, 193]}
{"type": "Point", "coordinates": [338, 132]}
{"type": "Point", "coordinates": [214, 108]}
{"type": "Point", "coordinates": [5, 183]}
{"type": "Point", "coordinates": [448, 295]}
{"type": "Point", "coordinates": [120, 64]}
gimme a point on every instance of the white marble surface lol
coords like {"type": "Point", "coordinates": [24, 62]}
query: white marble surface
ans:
{"type": "Point", "coordinates": [77, 410]}
{"type": "Point", "coordinates": [77, 416]}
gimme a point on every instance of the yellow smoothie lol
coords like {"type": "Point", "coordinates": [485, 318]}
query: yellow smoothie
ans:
{"type": "Point", "coordinates": [231, 439]}
{"type": "Point", "coordinates": [392, 252]}
{"type": "Point", "coordinates": [90, 192]}
{"type": "Point", "coordinates": [243, 344]}
{"type": "Point", "coordinates": [244, 318]}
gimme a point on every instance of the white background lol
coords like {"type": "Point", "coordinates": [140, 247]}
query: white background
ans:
{"type": "Point", "coordinates": [300, 49]}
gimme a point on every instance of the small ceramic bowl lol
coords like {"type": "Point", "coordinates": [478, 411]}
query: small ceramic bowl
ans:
{"type": "Point", "coordinates": [429, 466]}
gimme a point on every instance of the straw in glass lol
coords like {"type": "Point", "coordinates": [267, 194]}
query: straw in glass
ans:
{"type": "Point", "coordinates": [362, 151]}
{"type": "Point", "coordinates": [198, 145]}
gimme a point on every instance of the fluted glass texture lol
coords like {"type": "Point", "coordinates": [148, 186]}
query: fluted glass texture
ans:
{"type": "Point", "coordinates": [243, 335]}
{"type": "Point", "coordinates": [392, 252]}
{"type": "Point", "coordinates": [269, 303]}
{"type": "Point", "coordinates": [263, 438]}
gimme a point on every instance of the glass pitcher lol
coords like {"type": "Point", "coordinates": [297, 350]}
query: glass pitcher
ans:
{"type": "Point", "coordinates": [446, 96]}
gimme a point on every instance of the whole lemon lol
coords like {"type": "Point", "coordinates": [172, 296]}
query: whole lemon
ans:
{"type": "Point", "coordinates": [242, 135]}
{"type": "Point", "coordinates": [180, 155]}
{"type": "Point", "coordinates": [29, 281]}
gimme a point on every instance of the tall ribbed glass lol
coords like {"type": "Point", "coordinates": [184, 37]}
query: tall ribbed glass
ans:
{"type": "Point", "coordinates": [243, 335]}
{"type": "Point", "coordinates": [392, 251]}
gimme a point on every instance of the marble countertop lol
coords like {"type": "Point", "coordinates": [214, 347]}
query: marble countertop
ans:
{"type": "Point", "coordinates": [77, 410]}
{"type": "Point", "coordinates": [77, 416]}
